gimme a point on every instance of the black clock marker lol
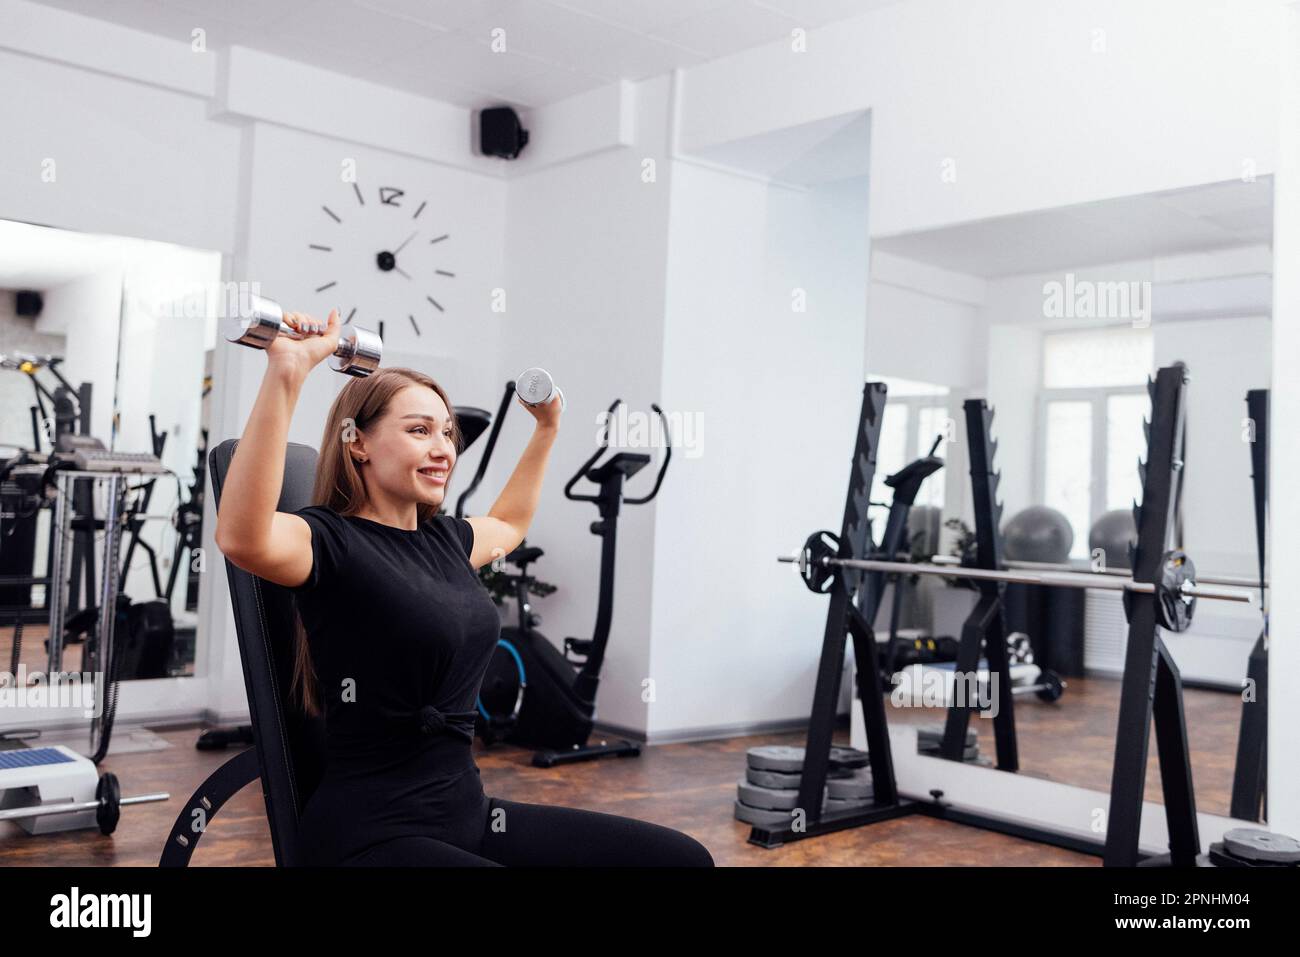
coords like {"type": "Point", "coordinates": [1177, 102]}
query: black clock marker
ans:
{"type": "Point", "coordinates": [350, 315]}
{"type": "Point", "coordinates": [331, 212]}
{"type": "Point", "coordinates": [435, 303]}
{"type": "Point", "coordinates": [421, 209]}
{"type": "Point", "coordinates": [324, 249]}
{"type": "Point", "coordinates": [439, 239]}
{"type": "Point", "coordinates": [381, 329]}
{"type": "Point", "coordinates": [443, 272]}
{"type": "Point", "coordinates": [414, 325]}
{"type": "Point", "coordinates": [357, 189]}
{"type": "Point", "coordinates": [334, 282]}
{"type": "Point", "coordinates": [389, 194]}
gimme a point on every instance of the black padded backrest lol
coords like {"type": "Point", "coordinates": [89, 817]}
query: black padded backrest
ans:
{"type": "Point", "coordinates": [290, 746]}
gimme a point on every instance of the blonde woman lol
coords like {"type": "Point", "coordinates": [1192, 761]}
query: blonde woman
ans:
{"type": "Point", "coordinates": [396, 629]}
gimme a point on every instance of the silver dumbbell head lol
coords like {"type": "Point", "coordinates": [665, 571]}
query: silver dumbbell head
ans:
{"type": "Point", "coordinates": [536, 387]}
{"type": "Point", "coordinates": [358, 353]}
{"type": "Point", "coordinates": [260, 325]}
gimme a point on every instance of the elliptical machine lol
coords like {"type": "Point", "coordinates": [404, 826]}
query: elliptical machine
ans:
{"type": "Point", "coordinates": [534, 695]}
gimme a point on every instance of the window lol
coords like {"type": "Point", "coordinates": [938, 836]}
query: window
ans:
{"type": "Point", "coordinates": [1093, 402]}
{"type": "Point", "coordinates": [915, 414]}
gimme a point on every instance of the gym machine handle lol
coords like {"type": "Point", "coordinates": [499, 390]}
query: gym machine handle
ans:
{"type": "Point", "coordinates": [604, 445]}
{"type": "Point", "coordinates": [487, 451]}
{"type": "Point", "coordinates": [600, 450]}
{"type": "Point", "coordinates": [668, 454]}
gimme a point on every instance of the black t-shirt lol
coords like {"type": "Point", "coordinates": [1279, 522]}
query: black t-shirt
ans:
{"type": "Point", "coordinates": [400, 631]}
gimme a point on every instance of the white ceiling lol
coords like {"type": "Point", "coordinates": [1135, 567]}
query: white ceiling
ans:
{"type": "Point", "coordinates": [1216, 216]}
{"type": "Point", "coordinates": [441, 48]}
{"type": "Point", "coordinates": [38, 257]}
{"type": "Point", "coordinates": [811, 154]}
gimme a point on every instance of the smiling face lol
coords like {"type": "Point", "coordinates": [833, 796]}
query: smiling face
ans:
{"type": "Point", "coordinates": [409, 451]}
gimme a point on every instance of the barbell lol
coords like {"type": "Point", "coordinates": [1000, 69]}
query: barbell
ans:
{"type": "Point", "coordinates": [1117, 572]}
{"type": "Point", "coordinates": [1176, 589]}
{"type": "Point", "coordinates": [107, 805]}
{"type": "Point", "coordinates": [358, 352]}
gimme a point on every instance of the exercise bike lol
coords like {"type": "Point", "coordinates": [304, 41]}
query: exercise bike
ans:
{"type": "Point", "coordinates": [534, 695]}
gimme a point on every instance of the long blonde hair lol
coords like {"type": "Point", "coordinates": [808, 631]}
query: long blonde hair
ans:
{"type": "Point", "coordinates": [340, 486]}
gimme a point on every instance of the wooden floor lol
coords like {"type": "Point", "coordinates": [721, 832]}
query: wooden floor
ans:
{"type": "Point", "coordinates": [687, 786]}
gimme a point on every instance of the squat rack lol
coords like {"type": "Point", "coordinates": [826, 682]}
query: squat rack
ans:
{"type": "Point", "coordinates": [1151, 690]}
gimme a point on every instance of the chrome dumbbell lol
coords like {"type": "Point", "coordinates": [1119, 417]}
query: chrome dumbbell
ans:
{"type": "Point", "coordinates": [358, 352]}
{"type": "Point", "coordinates": [536, 387]}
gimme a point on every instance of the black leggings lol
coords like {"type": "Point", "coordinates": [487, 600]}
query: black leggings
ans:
{"type": "Point", "coordinates": [522, 835]}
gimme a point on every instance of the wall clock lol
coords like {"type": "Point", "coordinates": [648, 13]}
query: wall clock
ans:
{"type": "Point", "coordinates": [383, 255]}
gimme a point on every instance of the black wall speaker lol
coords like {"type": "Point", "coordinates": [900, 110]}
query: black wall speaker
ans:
{"type": "Point", "coordinates": [500, 133]}
{"type": "Point", "coordinates": [28, 303]}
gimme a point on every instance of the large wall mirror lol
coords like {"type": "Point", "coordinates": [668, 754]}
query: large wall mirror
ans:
{"type": "Point", "coordinates": [107, 347]}
{"type": "Point", "coordinates": [1057, 318]}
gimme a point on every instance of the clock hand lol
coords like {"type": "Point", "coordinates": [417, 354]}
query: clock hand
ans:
{"type": "Point", "coordinates": [407, 240]}
{"type": "Point", "coordinates": [402, 271]}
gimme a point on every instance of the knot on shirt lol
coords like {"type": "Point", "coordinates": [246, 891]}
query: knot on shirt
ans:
{"type": "Point", "coordinates": [431, 720]}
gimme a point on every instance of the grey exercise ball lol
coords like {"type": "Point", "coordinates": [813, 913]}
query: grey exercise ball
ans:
{"type": "Point", "coordinates": [1112, 534]}
{"type": "Point", "coordinates": [924, 523]}
{"type": "Point", "coordinates": [1038, 534]}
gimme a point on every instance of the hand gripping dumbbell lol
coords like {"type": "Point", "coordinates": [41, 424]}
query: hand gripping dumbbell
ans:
{"type": "Point", "coordinates": [536, 387]}
{"type": "Point", "coordinates": [358, 352]}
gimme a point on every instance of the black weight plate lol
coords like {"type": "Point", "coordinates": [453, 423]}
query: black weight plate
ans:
{"type": "Point", "coordinates": [838, 805]}
{"type": "Point", "coordinates": [775, 757]}
{"type": "Point", "coordinates": [849, 758]}
{"type": "Point", "coordinates": [970, 752]}
{"type": "Point", "coordinates": [768, 799]}
{"type": "Point", "coordinates": [761, 817]}
{"type": "Point", "coordinates": [109, 795]}
{"type": "Point", "coordinates": [788, 759]}
{"type": "Point", "coordinates": [1259, 846]}
{"type": "Point", "coordinates": [857, 787]}
{"type": "Point", "coordinates": [1052, 688]}
{"type": "Point", "coordinates": [933, 733]}
{"type": "Point", "coordinates": [780, 780]}
{"type": "Point", "coordinates": [786, 780]}
{"type": "Point", "coordinates": [816, 576]}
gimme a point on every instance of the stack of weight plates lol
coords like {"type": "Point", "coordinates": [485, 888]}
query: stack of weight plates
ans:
{"type": "Point", "coordinates": [769, 792]}
{"type": "Point", "coordinates": [930, 737]}
{"type": "Point", "coordinates": [1254, 847]}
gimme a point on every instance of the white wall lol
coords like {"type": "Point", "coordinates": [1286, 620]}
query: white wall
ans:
{"type": "Point", "coordinates": [1284, 456]}
{"type": "Point", "coordinates": [1226, 358]}
{"type": "Point", "coordinates": [1012, 92]}
{"type": "Point", "coordinates": [89, 310]}
{"type": "Point", "coordinates": [737, 638]}
{"type": "Point", "coordinates": [586, 249]}
{"type": "Point", "coordinates": [129, 159]}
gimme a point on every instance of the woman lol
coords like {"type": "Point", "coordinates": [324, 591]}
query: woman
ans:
{"type": "Point", "coordinates": [397, 630]}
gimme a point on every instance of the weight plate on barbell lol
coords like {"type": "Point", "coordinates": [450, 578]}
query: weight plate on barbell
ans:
{"type": "Point", "coordinates": [819, 577]}
{"type": "Point", "coordinates": [109, 795]}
